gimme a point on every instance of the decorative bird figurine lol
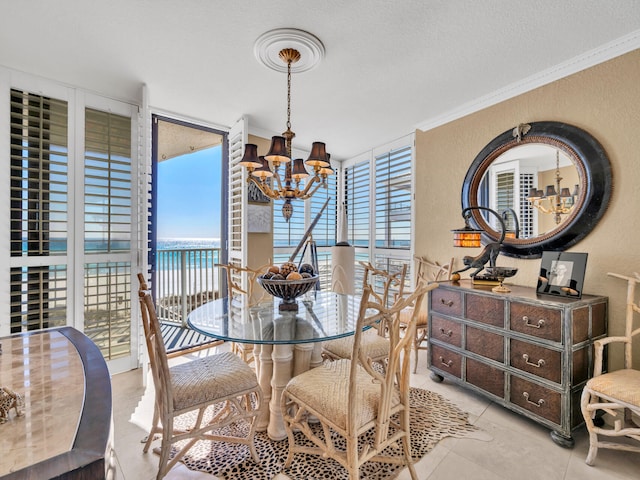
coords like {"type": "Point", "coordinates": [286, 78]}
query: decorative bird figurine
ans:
{"type": "Point", "coordinates": [520, 131]}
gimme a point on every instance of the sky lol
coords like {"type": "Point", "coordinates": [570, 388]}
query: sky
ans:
{"type": "Point", "coordinates": [189, 196]}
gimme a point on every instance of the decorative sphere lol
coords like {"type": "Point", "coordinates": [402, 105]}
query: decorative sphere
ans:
{"type": "Point", "coordinates": [294, 276]}
{"type": "Point", "coordinates": [274, 269]}
{"type": "Point", "coordinates": [455, 277]}
{"type": "Point", "coordinates": [306, 275]}
{"type": "Point", "coordinates": [268, 275]}
{"type": "Point", "coordinates": [306, 268]}
{"type": "Point", "coordinates": [287, 268]}
{"type": "Point", "coordinates": [278, 276]}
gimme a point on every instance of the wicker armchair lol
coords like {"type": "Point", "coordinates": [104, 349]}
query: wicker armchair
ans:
{"type": "Point", "coordinates": [427, 271]}
{"type": "Point", "coordinates": [384, 286]}
{"type": "Point", "coordinates": [223, 381]}
{"type": "Point", "coordinates": [351, 397]}
{"type": "Point", "coordinates": [616, 393]}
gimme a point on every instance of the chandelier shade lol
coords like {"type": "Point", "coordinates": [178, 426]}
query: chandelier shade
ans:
{"type": "Point", "coordinates": [278, 152]}
{"type": "Point", "coordinates": [289, 186]}
{"type": "Point", "coordinates": [318, 156]}
{"type": "Point", "coordinates": [264, 171]}
{"type": "Point", "coordinates": [250, 157]}
{"type": "Point", "coordinates": [299, 172]}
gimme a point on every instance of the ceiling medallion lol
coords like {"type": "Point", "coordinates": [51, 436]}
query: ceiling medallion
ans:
{"type": "Point", "coordinates": [268, 46]}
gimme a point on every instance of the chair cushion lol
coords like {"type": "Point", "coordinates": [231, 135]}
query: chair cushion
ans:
{"type": "Point", "coordinates": [209, 378]}
{"type": "Point", "coordinates": [405, 317]}
{"type": "Point", "coordinates": [326, 388]}
{"type": "Point", "coordinates": [375, 346]}
{"type": "Point", "coordinates": [623, 385]}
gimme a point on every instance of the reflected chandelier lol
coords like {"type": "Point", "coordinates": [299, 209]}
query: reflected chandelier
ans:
{"type": "Point", "coordinates": [264, 171]}
{"type": "Point", "coordinates": [555, 200]}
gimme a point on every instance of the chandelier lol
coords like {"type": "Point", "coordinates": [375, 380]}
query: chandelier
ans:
{"type": "Point", "coordinates": [264, 171]}
{"type": "Point", "coordinates": [555, 200]}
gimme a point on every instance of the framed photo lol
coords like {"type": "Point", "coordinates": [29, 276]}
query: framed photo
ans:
{"type": "Point", "coordinates": [562, 273]}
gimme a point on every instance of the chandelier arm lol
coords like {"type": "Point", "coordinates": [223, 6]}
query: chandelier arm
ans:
{"type": "Point", "coordinates": [263, 187]}
{"type": "Point", "coordinates": [276, 175]}
{"type": "Point", "coordinates": [305, 192]}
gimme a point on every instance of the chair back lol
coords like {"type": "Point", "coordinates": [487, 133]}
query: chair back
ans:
{"type": "Point", "coordinates": [432, 271]}
{"type": "Point", "coordinates": [632, 308]}
{"type": "Point", "coordinates": [394, 380]}
{"type": "Point", "coordinates": [156, 349]}
{"type": "Point", "coordinates": [384, 284]}
{"type": "Point", "coordinates": [234, 281]}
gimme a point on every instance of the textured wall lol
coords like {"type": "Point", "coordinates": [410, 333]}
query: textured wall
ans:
{"type": "Point", "coordinates": [260, 244]}
{"type": "Point", "coordinates": [603, 100]}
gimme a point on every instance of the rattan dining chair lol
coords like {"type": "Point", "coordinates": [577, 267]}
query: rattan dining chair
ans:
{"type": "Point", "coordinates": [427, 271]}
{"type": "Point", "coordinates": [254, 296]}
{"type": "Point", "coordinates": [617, 393]}
{"type": "Point", "coordinates": [220, 381]}
{"type": "Point", "coordinates": [353, 399]}
{"type": "Point", "coordinates": [384, 286]}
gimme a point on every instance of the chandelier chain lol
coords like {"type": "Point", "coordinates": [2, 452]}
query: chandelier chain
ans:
{"type": "Point", "coordinates": [289, 95]}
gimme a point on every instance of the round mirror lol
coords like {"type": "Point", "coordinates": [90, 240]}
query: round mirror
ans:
{"type": "Point", "coordinates": [550, 182]}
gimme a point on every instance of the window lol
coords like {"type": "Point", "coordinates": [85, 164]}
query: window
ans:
{"type": "Point", "coordinates": [107, 230]}
{"type": "Point", "coordinates": [378, 195]}
{"type": "Point", "coordinates": [39, 211]}
{"type": "Point", "coordinates": [393, 199]}
{"type": "Point", "coordinates": [72, 176]}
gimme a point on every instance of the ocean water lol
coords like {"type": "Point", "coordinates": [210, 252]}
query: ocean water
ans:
{"type": "Point", "coordinates": [187, 243]}
{"type": "Point", "coordinates": [195, 253]}
{"type": "Point", "coordinates": [187, 265]}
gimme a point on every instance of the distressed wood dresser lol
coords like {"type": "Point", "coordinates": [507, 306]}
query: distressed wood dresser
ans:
{"type": "Point", "coordinates": [530, 353]}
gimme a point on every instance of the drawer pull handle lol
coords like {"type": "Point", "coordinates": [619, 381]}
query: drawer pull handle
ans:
{"type": "Point", "coordinates": [444, 302]}
{"type": "Point", "coordinates": [445, 332]}
{"type": "Point", "coordinates": [541, 362]}
{"type": "Point", "coordinates": [446, 364]}
{"type": "Point", "coordinates": [539, 325]}
{"type": "Point", "coordinates": [538, 404]}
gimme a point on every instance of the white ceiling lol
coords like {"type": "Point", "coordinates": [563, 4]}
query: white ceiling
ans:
{"type": "Point", "coordinates": [390, 66]}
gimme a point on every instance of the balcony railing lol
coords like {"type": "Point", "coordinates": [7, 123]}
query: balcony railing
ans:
{"type": "Point", "coordinates": [186, 279]}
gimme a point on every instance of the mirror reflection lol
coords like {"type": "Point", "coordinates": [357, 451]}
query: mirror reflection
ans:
{"type": "Point", "coordinates": [534, 186]}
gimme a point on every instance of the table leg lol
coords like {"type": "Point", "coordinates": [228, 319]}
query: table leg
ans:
{"type": "Point", "coordinates": [264, 370]}
{"type": "Point", "coordinates": [316, 356]}
{"type": "Point", "coordinates": [302, 354]}
{"type": "Point", "coordinates": [282, 368]}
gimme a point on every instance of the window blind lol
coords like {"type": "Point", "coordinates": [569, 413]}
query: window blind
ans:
{"type": "Point", "coordinates": [107, 207]}
{"type": "Point", "coordinates": [39, 175]}
{"type": "Point", "coordinates": [357, 182]}
{"type": "Point", "coordinates": [107, 230]}
{"type": "Point", "coordinates": [38, 211]}
{"type": "Point", "coordinates": [393, 199]}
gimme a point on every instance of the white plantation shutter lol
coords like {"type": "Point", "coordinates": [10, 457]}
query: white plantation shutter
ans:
{"type": "Point", "coordinates": [379, 197]}
{"type": "Point", "coordinates": [71, 248]}
{"type": "Point", "coordinates": [237, 228]}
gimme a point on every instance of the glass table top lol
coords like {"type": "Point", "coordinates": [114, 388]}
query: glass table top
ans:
{"type": "Point", "coordinates": [320, 316]}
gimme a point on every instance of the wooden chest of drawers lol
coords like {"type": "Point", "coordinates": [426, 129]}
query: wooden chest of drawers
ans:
{"type": "Point", "coordinates": [529, 353]}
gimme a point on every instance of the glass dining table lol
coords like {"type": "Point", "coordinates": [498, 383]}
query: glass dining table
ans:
{"type": "Point", "coordinates": [286, 343]}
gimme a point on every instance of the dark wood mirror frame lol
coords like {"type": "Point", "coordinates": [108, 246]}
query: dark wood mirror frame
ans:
{"type": "Point", "coordinates": [594, 171]}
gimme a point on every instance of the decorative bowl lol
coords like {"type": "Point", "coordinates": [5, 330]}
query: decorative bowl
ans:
{"type": "Point", "coordinates": [504, 272]}
{"type": "Point", "coordinates": [288, 290]}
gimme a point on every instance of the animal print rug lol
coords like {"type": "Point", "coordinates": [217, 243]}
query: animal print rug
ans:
{"type": "Point", "coordinates": [432, 418]}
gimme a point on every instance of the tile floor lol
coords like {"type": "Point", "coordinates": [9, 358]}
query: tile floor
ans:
{"type": "Point", "coordinates": [520, 448]}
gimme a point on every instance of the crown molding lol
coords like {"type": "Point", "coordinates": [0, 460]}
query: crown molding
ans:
{"type": "Point", "coordinates": [576, 64]}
